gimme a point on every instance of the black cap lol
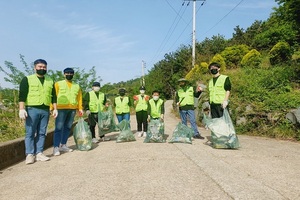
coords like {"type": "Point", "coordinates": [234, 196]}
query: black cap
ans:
{"type": "Point", "coordinates": [69, 71]}
{"type": "Point", "coordinates": [122, 90]}
{"type": "Point", "coordinates": [96, 84]}
{"type": "Point", "coordinates": [142, 88]}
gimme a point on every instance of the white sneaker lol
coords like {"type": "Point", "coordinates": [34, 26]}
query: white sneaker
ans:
{"type": "Point", "coordinates": [29, 159]}
{"type": "Point", "coordinates": [64, 148]}
{"type": "Point", "coordinates": [140, 134]}
{"type": "Point", "coordinates": [145, 134]}
{"type": "Point", "coordinates": [56, 151]}
{"type": "Point", "coordinates": [95, 140]}
{"type": "Point", "coordinates": [41, 157]}
{"type": "Point", "coordinates": [105, 139]}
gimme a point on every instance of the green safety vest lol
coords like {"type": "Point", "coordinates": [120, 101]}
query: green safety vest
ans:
{"type": "Point", "coordinates": [155, 108]}
{"type": "Point", "coordinates": [96, 103]}
{"type": "Point", "coordinates": [186, 97]}
{"type": "Point", "coordinates": [39, 94]}
{"type": "Point", "coordinates": [217, 92]}
{"type": "Point", "coordinates": [122, 106]}
{"type": "Point", "coordinates": [142, 103]}
{"type": "Point", "coordinates": [67, 95]}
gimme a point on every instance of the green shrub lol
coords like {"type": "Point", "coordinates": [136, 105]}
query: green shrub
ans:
{"type": "Point", "coordinates": [234, 54]}
{"type": "Point", "coordinates": [280, 53]}
{"type": "Point", "coordinates": [252, 59]}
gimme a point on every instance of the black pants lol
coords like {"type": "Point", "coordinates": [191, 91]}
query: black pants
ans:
{"type": "Point", "coordinates": [93, 120]}
{"type": "Point", "coordinates": [141, 118]}
{"type": "Point", "coordinates": [216, 110]}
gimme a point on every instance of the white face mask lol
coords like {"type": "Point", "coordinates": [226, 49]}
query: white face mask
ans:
{"type": "Point", "coordinates": [96, 89]}
{"type": "Point", "coordinates": [155, 98]}
{"type": "Point", "coordinates": [142, 91]}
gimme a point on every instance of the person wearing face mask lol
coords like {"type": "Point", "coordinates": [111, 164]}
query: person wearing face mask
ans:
{"type": "Point", "coordinates": [122, 104]}
{"type": "Point", "coordinates": [219, 91]}
{"type": "Point", "coordinates": [94, 102]}
{"type": "Point", "coordinates": [156, 108]}
{"type": "Point", "coordinates": [185, 99]}
{"type": "Point", "coordinates": [36, 93]}
{"type": "Point", "coordinates": [141, 110]}
{"type": "Point", "coordinates": [69, 100]}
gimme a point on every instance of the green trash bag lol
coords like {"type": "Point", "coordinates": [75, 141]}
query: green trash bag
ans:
{"type": "Point", "coordinates": [155, 132]}
{"type": "Point", "coordinates": [182, 134]}
{"type": "Point", "coordinates": [82, 135]}
{"type": "Point", "coordinates": [106, 121]}
{"type": "Point", "coordinates": [223, 134]}
{"type": "Point", "coordinates": [126, 134]}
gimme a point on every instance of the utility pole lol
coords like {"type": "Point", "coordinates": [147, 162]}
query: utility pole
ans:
{"type": "Point", "coordinates": [143, 78]}
{"type": "Point", "coordinates": [194, 31]}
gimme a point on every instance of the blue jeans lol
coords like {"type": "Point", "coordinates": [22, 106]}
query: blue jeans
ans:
{"type": "Point", "coordinates": [191, 115]}
{"type": "Point", "coordinates": [63, 125]}
{"type": "Point", "coordinates": [122, 116]}
{"type": "Point", "coordinates": [36, 126]}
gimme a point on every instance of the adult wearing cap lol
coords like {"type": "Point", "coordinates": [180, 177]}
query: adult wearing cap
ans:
{"type": "Point", "coordinates": [122, 104]}
{"type": "Point", "coordinates": [219, 91]}
{"type": "Point", "coordinates": [185, 100]}
{"type": "Point", "coordinates": [141, 110]}
{"type": "Point", "coordinates": [94, 102]}
{"type": "Point", "coordinates": [69, 100]}
{"type": "Point", "coordinates": [36, 93]}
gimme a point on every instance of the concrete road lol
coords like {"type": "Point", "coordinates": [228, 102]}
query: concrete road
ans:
{"type": "Point", "coordinates": [261, 169]}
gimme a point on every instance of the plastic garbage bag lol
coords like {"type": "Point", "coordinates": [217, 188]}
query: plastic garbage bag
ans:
{"type": "Point", "coordinates": [223, 134]}
{"type": "Point", "coordinates": [82, 135]}
{"type": "Point", "coordinates": [126, 134]}
{"type": "Point", "coordinates": [182, 134]}
{"type": "Point", "coordinates": [106, 121]}
{"type": "Point", "coordinates": [155, 132]}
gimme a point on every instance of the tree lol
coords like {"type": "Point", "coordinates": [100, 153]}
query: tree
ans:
{"type": "Point", "coordinates": [234, 54]}
{"type": "Point", "coordinates": [251, 59]}
{"type": "Point", "coordinates": [280, 53]}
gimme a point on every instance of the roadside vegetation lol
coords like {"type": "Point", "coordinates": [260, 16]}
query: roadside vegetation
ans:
{"type": "Point", "coordinates": [263, 62]}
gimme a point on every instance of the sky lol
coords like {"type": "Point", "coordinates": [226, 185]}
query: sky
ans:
{"type": "Point", "coordinates": [116, 37]}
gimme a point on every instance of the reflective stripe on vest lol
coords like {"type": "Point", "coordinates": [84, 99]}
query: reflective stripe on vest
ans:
{"type": "Point", "coordinates": [186, 97]}
{"type": "Point", "coordinates": [122, 106]}
{"type": "Point", "coordinates": [39, 94]}
{"type": "Point", "coordinates": [96, 103]}
{"type": "Point", "coordinates": [67, 95]}
{"type": "Point", "coordinates": [142, 103]}
{"type": "Point", "coordinates": [217, 92]}
{"type": "Point", "coordinates": [155, 108]}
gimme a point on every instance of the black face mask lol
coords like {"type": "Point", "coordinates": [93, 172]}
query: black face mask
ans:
{"type": "Point", "coordinates": [41, 71]}
{"type": "Point", "coordinates": [214, 71]}
{"type": "Point", "coordinates": [69, 77]}
{"type": "Point", "coordinates": [122, 94]}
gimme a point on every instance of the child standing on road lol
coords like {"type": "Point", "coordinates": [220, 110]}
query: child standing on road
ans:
{"type": "Point", "coordinates": [141, 107]}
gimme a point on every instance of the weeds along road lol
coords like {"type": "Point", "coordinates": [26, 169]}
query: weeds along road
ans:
{"type": "Point", "coordinates": [261, 169]}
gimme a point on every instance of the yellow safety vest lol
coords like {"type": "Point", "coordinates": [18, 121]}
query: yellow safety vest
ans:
{"type": "Point", "coordinates": [39, 94]}
{"type": "Point", "coordinates": [142, 103]}
{"type": "Point", "coordinates": [96, 103]}
{"type": "Point", "coordinates": [67, 95]}
{"type": "Point", "coordinates": [217, 92]}
{"type": "Point", "coordinates": [186, 97]}
{"type": "Point", "coordinates": [155, 108]}
{"type": "Point", "coordinates": [122, 106]}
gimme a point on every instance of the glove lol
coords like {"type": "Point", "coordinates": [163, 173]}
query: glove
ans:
{"type": "Point", "coordinates": [224, 104]}
{"type": "Point", "coordinates": [55, 113]}
{"type": "Point", "coordinates": [148, 119]}
{"type": "Point", "coordinates": [22, 114]}
{"type": "Point", "coordinates": [80, 113]}
{"type": "Point", "coordinates": [88, 112]}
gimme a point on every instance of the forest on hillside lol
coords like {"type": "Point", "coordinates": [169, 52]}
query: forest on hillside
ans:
{"type": "Point", "coordinates": [262, 61]}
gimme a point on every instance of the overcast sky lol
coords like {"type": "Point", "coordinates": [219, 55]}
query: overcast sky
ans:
{"type": "Point", "coordinates": [114, 36]}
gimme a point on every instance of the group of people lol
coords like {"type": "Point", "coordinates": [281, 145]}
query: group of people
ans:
{"type": "Point", "coordinates": [40, 96]}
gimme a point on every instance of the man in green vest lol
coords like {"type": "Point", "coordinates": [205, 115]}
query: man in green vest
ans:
{"type": "Point", "coordinates": [35, 96]}
{"type": "Point", "coordinates": [219, 91]}
{"type": "Point", "coordinates": [185, 100]}
{"type": "Point", "coordinates": [156, 108]}
{"type": "Point", "coordinates": [122, 105]}
{"type": "Point", "coordinates": [141, 110]}
{"type": "Point", "coordinates": [94, 102]}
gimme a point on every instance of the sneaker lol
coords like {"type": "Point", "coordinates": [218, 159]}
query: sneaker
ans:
{"type": "Point", "coordinates": [41, 157]}
{"type": "Point", "coordinates": [105, 139]}
{"type": "Point", "coordinates": [94, 140]}
{"type": "Point", "coordinates": [140, 134]}
{"type": "Point", "coordinates": [145, 134]}
{"type": "Point", "coordinates": [64, 148]}
{"type": "Point", "coordinates": [56, 151]}
{"type": "Point", "coordinates": [198, 136]}
{"type": "Point", "coordinates": [29, 159]}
